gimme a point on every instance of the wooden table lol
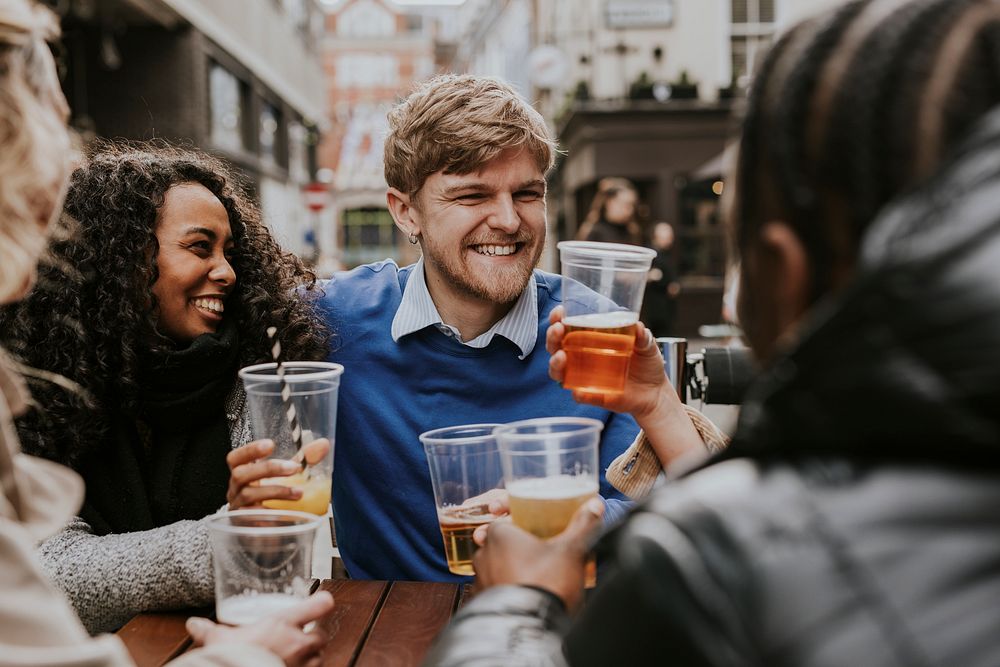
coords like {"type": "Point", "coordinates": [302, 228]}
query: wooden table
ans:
{"type": "Point", "coordinates": [373, 623]}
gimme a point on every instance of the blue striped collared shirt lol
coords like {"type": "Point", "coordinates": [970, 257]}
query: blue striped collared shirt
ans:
{"type": "Point", "coordinates": [417, 311]}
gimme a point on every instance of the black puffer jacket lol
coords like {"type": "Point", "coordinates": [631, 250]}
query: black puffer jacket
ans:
{"type": "Point", "coordinates": [855, 521]}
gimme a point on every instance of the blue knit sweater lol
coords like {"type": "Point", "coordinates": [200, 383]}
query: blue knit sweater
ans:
{"type": "Point", "coordinates": [392, 392]}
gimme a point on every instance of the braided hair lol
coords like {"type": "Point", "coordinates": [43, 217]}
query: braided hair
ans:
{"type": "Point", "coordinates": [855, 108]}
{"type": "Point", "coordinates": [92, 315]}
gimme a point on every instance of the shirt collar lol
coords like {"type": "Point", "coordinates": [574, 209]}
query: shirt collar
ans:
{"type": "Point", "coordinates": [417, 311]}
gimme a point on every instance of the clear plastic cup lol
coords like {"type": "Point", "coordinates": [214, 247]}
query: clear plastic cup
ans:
{"type": "Point", "coordinates": [550, 468]}
{"type": "Point", "coordinates": [262, 561]}
{"type": "Point", "coordinates": [466, 475]}
{"type": "Point", "coordinates": [602, 293]}
{"type": "Point", "coordinates": [313, 387]}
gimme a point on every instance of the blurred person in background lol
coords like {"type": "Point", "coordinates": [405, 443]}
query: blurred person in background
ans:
{"type": "Point", "coordinates": [160, 290]}
{"type": "Point", "coordinates": [659, 304]}
{"type": "Point", "coordinates": [852, 520]}
{"type": "Point", "coordinates": [612, 215]}
{"type": "Point", "coordinates": [37, 497]}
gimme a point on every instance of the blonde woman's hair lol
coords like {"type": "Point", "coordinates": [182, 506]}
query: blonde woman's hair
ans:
{"type": "Point", "coordinates": [34, 141]}
{"type": "Point", "coordinates": [458, 123]}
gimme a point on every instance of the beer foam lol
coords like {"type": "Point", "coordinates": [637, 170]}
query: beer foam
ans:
{"type": "Point", "coordinates": [553, 488]}
{"type": "Point", "coordinates": [459, 518]}
{"type": "Point", "coordinates": [250, 607]}
{"type": "Point", "coordinates": [615, 320]}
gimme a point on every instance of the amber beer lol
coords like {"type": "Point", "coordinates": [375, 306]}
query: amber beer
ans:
{"type": "Point", "coordinates": [544, 507]}
{"type": "Point", "coordinates": [457, 525]}
{"type": "Point", "coordinates": [598, 350]}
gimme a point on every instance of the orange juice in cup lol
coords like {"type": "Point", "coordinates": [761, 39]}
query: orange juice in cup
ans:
{"type": "Point", "coordinates": [315, 493]}
{"type": "Point", "coordinates": [312, 388]}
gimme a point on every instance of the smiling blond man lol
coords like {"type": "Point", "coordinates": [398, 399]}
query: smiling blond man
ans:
{"type": "Point", "coordinates": [455, 338]}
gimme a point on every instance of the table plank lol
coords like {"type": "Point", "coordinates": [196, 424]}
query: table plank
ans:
{"type": "Point", "coordinates": [355, 605]}
{"type": "Point", "coordinates": [154, 639]}
{"type": "Point", "coordinates": [411, 617]}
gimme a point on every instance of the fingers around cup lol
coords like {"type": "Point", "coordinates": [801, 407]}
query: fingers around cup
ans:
{"type": "Point", "coordinates": [198, 628]}
{"type": "Point", "coordinates": [254, 496]}
{"type": "Point", "coordinates": [479, 534]}
{"type": "Point", "coordinates": [310, 609]}
{"type": "Point", "coordinates": [554, 337]}
{"type": "Point", "coordinates": [249, 452]}
{"type": "Point", "coordinates": [557, 366]}
{"type": "Point", "coordinates": [316, 451]}
{"type": "Point", "coordinates": [258, 470]}
{"type": "Point", "coordinates": [586, 518]}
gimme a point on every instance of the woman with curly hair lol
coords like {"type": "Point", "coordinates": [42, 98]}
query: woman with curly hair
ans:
{"type": "Point", "coordinates": [161, 287]}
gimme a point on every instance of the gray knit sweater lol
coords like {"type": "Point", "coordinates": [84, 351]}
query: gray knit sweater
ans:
{"type": "Point", "coordinates": [111, 578]}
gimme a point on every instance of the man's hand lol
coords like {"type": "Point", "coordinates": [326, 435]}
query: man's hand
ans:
{"type": "Point", "coordinates": [645, 386]}
{"type": "Point", "coordinates": [509, 555]}
{"type": "Point", "coordinates": [281, 634]}
{"type": "Point", "coordinates": [496, 501]}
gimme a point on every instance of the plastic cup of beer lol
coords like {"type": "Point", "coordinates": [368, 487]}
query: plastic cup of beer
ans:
{"type": "Point", "coordinates": [603, 284]}
{"type": "Point", "coordinates": [313, 387]}
{"type": "Point", "coordinates": [550, 469]}
{"type": "Point", "coordinates": [262, 561]}
{"type": "Point", "coordinates": [466, 474]}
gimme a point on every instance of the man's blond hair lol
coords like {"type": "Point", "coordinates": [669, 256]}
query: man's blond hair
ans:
{"type": "Point", "coordinates": [456, 124]}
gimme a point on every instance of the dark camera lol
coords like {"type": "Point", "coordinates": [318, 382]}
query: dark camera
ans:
{"type": "Point", "coordinates": [716, 375]}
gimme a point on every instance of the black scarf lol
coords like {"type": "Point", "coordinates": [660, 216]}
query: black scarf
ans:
{"type": "Point", "coordinates": [168, 462]}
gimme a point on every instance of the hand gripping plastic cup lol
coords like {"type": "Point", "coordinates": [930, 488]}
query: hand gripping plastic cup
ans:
{"type": "Point", "coordinates": [262, 561]}
{"type": "Point", "coordinates": [550, 468]}
{"type": "Point", "coordinates": [603, 284]}
{"type": "Point", "coordinates": [312, 387]}
{"type": "Point", "coordinates": [466, 475]}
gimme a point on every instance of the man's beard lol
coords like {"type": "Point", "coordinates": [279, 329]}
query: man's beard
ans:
{"type": "Point", "coordinates": [502, 285]}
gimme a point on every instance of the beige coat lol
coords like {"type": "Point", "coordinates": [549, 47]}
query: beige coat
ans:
{"type": "Point", "coordinates": [37, 625]}
{"type": "Point", "coordinates": [637, 469]}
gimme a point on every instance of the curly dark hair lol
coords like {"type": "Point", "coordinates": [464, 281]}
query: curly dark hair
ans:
{"type": "Point", "coordinates": [92, 314]}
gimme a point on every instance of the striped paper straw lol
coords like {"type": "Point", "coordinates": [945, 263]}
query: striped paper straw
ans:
{"type": "Point", "coordinates": [286, 393]}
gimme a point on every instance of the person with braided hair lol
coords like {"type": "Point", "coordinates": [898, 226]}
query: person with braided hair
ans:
{"type": "Point", "coordinates": [851, 521]}
{"type": "Point", "coordinates": [157, 289]}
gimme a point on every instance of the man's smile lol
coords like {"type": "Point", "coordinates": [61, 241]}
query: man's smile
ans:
{"type": "Point", "coordinates": [494, 250]}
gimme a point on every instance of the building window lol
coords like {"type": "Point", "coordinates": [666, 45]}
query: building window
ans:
{"type": "Point", "coordinates": [270, 128]}
{"type": "Point", "coordinates": [367, 70]}
{"type": "Point", "coordinates": [226, 108]}
{"type": "Point", "coordinates": [365, 18]}
{"type": "Point", "coordinates": [753, 11]}
{"type": "Point", "coordinates": [701, 234]}
{"type": "Point", "coordinates": [369, 235]}
{"type": "Point", "coordinates": [751, 31]}
{"type": "Point", "coordinates": [298, 153]}
{"type": "Point", "coordinates": [297, 12]}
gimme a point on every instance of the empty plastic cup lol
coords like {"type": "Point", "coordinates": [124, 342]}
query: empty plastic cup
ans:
{"type": "Point", "coordinates": [262, 561]}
